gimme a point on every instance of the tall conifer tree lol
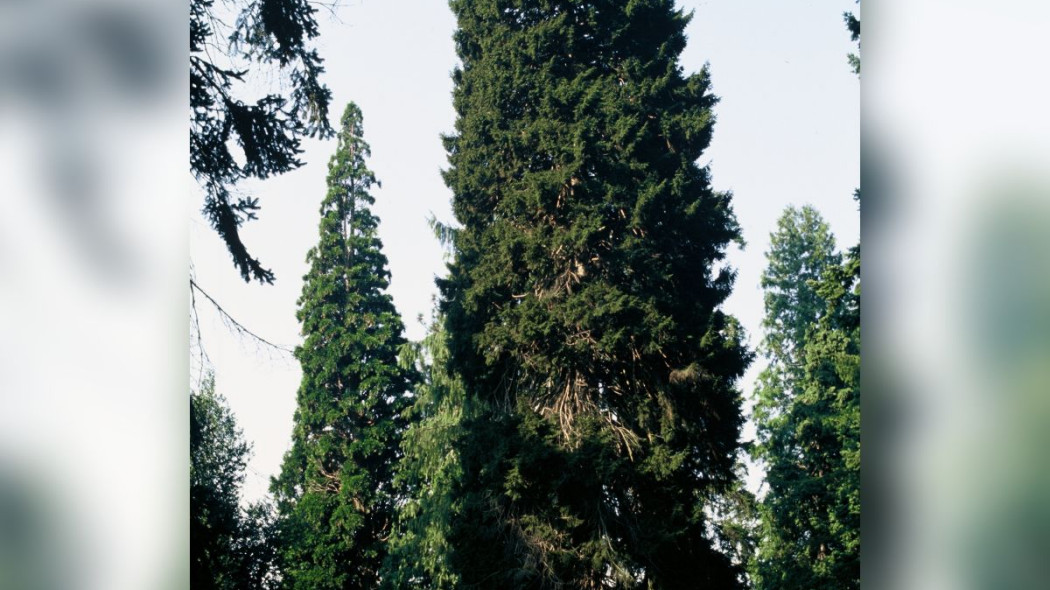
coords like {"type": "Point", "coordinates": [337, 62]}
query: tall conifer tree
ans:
{"type": "Point", "coordinates": [334, 493]}
{"type": "Point", "coordinates": [810, 530]}
{"type": "Point", "coordinates": [808, 413]}
{"type": "Point", "coordinates": [583, 304]}
{"type": "Point", "coordinates": [800, 252]}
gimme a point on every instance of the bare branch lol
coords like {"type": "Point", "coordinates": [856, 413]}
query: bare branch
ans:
{"type": "Point", "coordinates": [232, 323]}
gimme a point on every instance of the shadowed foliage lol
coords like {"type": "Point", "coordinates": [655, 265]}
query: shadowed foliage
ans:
{"type": "Point", "coordinates": [230, 547]}
{"type": "Point", "coordinates": [583, 301]}
{"type": "Point", "coordinates": [233, 138]}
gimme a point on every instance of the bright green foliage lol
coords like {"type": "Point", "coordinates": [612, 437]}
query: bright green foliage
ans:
{"type": "Point", "coordinates": [335, 491]}
{"type": "Point", "coordinates": [229, 547]}
{"type": "Point", "coordinates": [808, 415]}
{"type": "Point", "coordinates": [800, 251]}
{"type": "Point", "coordinates": [833, 373]}
{"type": "Point", "coordinates": [583, 302]}
{"type": "Point", "coordinates": [419, 549]}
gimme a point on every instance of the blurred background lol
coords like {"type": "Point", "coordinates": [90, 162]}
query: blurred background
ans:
{"type": "Point", "coordinates": [94, 304]}
{"type": "Point", "coordinates": [93, 298]}
{"type": "Point", "coordinates": [955, 221]}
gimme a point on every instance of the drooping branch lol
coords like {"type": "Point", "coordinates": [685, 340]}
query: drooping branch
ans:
{"type": "Point", "coordinates": [228, 320]}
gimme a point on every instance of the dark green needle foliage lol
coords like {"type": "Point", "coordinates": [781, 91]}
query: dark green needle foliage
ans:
{"type": "Point", "coordinates": [233, 138]}
{"type": "Point", "coordinates": [808, 412]}
{"type": "Point", "coordinates": [583, 301]}
{"type": "Point", "coordinates": [230, 547]}
{"type": "Point", "coordinates": [334, 494]}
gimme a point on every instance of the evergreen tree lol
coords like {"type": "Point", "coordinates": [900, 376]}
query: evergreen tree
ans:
{"type": "Point", "coordinates": [230, 547]}
{"type": "Point", "coordinates": [832, 363]}
{"type": "Point", "coordinates": [808, 412]}
{"type": "Point", "coordinates": [419, 550]}
{"type": "Point", "coordinates": [276, 33]}
{"type": "Point", "coordinates": [583, 302]}
{"type": "Point", "coordinates": [334, 494]}
{"type": "Point", "coordinates": [801, 250]}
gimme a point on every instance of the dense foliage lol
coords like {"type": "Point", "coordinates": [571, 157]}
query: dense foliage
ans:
{"type": "Point", "coordinates": [419, 549]}
{"type": "Point", "coordinates": [229, 546]}
{"type": "Point", "coordinates": [572, 418]}
{"type": "Point", "coordinates": [335, 493]}
{"type": "Point", "coordinates": [266, 132]}
{"type": "Point", "coordinates": [801, 250]}
{"type": "Point", "coordinates": [583, 301]}
{"type": "Point", "coordinates": [808, 411]}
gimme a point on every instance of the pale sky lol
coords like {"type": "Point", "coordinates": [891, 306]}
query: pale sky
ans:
{"type": "Point", "coordinates": [787, 132]}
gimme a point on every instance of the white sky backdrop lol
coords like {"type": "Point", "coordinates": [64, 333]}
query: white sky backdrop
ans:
{"type": "Point", "coordinates": [787, 133]}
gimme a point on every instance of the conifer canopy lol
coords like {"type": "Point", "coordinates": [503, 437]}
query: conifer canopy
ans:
{"type": "Point", "coordinates": [583, 300]}
{"type": "Point", "coordinates": [335, 492]}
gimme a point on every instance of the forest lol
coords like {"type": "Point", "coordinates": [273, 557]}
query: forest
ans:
{"type": "Point", "coordinates": [574, 415]}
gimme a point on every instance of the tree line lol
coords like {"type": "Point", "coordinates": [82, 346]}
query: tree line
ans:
{"type": "Point", "coordinates": [573, 418]}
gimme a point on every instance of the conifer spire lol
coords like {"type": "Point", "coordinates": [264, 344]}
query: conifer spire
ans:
{"type": "Point", "coordinates": [334, 493]}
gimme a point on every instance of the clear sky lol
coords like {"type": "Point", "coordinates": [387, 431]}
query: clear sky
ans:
{"type": "Point", "coordinates": [787, 132]}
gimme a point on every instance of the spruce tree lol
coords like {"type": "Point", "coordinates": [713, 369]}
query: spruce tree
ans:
{"type": "Point", "coordinates": [808, 411]}
{"type": "Point", "coordinates": [583, 303]}
{"type": "Point", "coordinates": [334, 494]}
